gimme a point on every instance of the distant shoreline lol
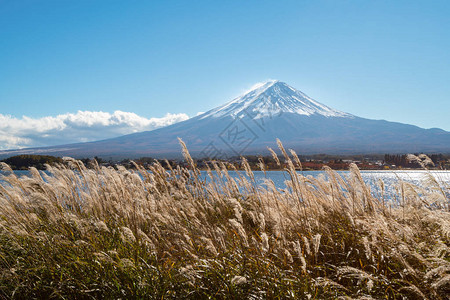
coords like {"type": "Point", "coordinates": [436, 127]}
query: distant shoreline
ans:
{"type": "Point", "coordinates": [316, 163]}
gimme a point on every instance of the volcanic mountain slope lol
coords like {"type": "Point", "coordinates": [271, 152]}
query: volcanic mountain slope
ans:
{"type": "Point", "coordinates": [253, 121]}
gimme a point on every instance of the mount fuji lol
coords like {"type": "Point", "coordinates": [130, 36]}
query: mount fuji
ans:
{"type": "Point", "coordinates": [252, 122]}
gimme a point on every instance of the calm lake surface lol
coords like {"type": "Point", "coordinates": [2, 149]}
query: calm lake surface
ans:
{"type": "Point", "coordinates": [390, 179]}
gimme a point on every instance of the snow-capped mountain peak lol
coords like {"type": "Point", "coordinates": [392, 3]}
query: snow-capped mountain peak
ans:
{"type": "Point", "coordinates": [304, 125]}
{"type": "Point", "coordinates": [271, 98]}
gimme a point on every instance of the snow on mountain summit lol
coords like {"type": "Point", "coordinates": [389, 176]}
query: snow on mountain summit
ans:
{"type": "Point", "coordinates": [271, 98]}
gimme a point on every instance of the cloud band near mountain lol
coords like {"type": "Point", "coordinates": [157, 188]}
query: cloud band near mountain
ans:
{"type": "Point", "coordinates": [83, 126]}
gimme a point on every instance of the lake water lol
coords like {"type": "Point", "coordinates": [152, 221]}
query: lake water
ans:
{"type": "Point", "coordinates": [372, 178]}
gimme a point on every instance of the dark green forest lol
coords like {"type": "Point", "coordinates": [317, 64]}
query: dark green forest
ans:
{"type": "Point", "coordinates": [25, 161]}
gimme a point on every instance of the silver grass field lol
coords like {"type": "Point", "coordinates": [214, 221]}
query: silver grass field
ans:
{"type": "Point", "coordinates": [168, 233]}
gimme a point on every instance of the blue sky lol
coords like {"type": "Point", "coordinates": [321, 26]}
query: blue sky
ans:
{"type": "Point", "coordinates": [375, 59]}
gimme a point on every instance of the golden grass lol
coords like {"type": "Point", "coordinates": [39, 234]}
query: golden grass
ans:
{"type": "Point", "coordinates": [107, 233]}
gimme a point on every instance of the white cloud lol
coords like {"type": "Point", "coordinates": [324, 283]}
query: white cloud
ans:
{"type": "Point", "coordinates": [82, 126]}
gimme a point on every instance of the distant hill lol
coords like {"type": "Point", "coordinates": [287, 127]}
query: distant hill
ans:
{"type": "Point", "coordinates": [25, 161]}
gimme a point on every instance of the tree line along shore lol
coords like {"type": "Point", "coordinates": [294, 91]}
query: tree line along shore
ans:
{"type": "Point", "coordinates": [313, 162]}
